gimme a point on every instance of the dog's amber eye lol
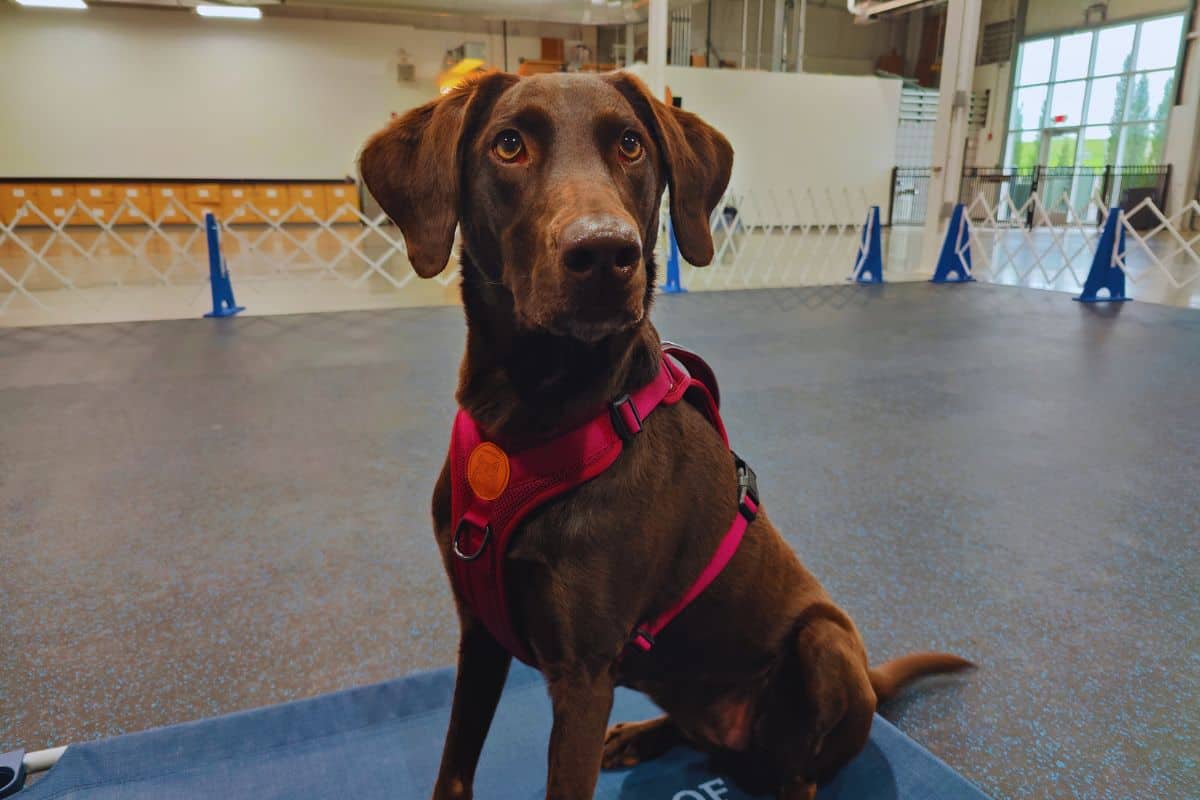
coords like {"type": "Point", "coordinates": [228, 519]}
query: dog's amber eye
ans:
{"type": "Point", "coordinates": [631, 146]}
{"type": "Point", "coordinates": [508, 146]}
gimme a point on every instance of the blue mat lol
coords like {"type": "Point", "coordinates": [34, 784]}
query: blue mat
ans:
{"type": "Point", "coordinates": [385, 741]}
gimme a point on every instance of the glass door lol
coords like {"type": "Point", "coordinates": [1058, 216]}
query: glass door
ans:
{"type": "Point", "coordinates": [1059, 148]}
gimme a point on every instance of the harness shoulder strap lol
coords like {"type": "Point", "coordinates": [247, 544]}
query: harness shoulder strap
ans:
{"type": "Point", "coordinates": [700, 385]}
{"type": "Point", "coordinates": [748, 506]}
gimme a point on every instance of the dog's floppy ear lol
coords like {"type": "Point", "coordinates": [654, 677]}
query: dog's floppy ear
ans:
{"type": "Point", "coordinates": [697, 160]}
{"type": "Point", "coordinates": [413, 168]}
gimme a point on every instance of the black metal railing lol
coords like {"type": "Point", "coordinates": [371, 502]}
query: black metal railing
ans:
{"type": "Point", "coordinates": [910, 194]}
{"type": "Point", "coordinates": [1067, 190]}
{"type": "Point", "coordinates": [1060, 189]}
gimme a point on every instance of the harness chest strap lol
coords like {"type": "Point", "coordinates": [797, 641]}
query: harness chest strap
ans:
{"type": "Point", "coordinates": [643, 637]}
{"type": "Point", "coordinates": [492, 491]}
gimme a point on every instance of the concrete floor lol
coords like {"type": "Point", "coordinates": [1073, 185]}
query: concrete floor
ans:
{"type": "Point", "coordinates": [200, 516]}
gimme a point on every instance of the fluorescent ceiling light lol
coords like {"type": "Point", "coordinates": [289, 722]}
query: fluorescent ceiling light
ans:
{"type": "Point", "coordinates": [79, 4]}
{"type": "Point", "coordinates": [230, 12]}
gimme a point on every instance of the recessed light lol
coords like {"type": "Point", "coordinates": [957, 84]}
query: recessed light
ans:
{"type": "Point", "coordinates": [76, 4]}
{"type": "Point", "coordinates": [230, 12]}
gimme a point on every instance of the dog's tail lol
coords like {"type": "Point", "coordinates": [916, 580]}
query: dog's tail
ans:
{"type": "Point", "coordinates": [890, 677]}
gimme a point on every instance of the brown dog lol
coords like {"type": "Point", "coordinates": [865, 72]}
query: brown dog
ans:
{"type": "Point", "coordinates": [556, 182]}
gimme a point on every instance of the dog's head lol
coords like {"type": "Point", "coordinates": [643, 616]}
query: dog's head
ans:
{"type": "Point", "coordinates": [556, 181]}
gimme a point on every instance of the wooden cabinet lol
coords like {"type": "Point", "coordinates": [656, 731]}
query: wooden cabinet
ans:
{"type": "Point", "coordinates": [133, 203]}
{"type": "Point", "coordinates": [309, 201]}
{"type": "Point", "coordinates": [178, 203]}
{"type": "Point", "coordinates": [341, 202]}
{"type": "Point", "coordinates": [169, 203]}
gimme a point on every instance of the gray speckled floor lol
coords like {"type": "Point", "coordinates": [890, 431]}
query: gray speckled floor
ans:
{"type": "Point", "coordinates": [202, 516]}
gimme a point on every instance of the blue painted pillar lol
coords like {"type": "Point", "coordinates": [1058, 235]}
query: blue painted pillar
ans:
{"type": "Point", "coordinates": [672, 286]}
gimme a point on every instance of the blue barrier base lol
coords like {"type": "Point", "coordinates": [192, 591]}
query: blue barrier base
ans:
{"type": "Point", "coordinates": [1082, 299]}
{"type": "Point", "coordinates": [227, 311]}
{"type": "Point", "coordinates": [955, 256]}
{"type": "Point", "coordinates": [1105, 274]}
{"type": "Point", "coordinates": [223, 304]}
{"type": "Point", "coordinates": [673, 284]}
{"type": "Point", "coordinates": [868, 266]}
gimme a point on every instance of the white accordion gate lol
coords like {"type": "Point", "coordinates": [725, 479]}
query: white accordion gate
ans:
{"type": "Point", "coordinates": [1160, 258]}
{"type": "Point", "coordinates": [82, 267]}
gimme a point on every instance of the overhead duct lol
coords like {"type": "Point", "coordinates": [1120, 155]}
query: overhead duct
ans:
{"type": "Point", "coordinates": [865, 11]}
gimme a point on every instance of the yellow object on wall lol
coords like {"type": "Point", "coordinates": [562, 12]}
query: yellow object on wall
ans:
{"type": "Point", "coordinates": [459, 73]}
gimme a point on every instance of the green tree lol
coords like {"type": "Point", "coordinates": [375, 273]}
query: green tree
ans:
{"type": "Point", "coordinates": [1137, 137]}
{"type": "Point", "coordinates": [1157, 134]}
{"type": "Point", "coordinates": [1118, 115]}
{"type": "Point", "coordinates": [1026, 155]}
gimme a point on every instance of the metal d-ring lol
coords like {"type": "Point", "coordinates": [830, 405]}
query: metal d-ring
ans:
{"type": "Point", "coordinates": [458, 532]}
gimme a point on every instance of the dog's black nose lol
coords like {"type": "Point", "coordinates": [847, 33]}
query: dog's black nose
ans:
{"type": "Point", "coordinates": [601, 244]}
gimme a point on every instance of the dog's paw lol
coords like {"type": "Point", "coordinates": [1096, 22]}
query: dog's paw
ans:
{"type": "Point", "coordinates": [620, 745]}
{"type": "Point", "coordinates": [628, 744]}
{"type": "Point", "coordinates": [451, 789]}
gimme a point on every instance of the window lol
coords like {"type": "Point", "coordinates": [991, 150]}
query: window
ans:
{"type": "Point", "coordinates": [1095, 97]}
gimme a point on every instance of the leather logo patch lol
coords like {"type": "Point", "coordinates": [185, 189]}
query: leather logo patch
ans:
{"type": "Point", "coordinates": [487, 471]}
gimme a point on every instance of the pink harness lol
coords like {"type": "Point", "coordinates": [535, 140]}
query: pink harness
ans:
{"type": "Point", "coordinates": [492, 491]}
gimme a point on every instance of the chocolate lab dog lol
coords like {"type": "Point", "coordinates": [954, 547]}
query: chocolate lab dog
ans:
{"type": "Point", "coordinates": [556, 182]}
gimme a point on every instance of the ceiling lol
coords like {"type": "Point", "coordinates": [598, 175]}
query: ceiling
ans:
{"type": "Point", "coordinates": [577, 12]}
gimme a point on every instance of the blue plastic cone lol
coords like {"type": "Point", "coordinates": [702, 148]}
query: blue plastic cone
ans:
{"type": "Point", "coordinates": [868, 265]}
{"type": "Point", "coordinates": [1105, 272]}
{"type": "Point", "coordinates": [958, 241]}
{"type": "Point", "coordinates": [218, 273]}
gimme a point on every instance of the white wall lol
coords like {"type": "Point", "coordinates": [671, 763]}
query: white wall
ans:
{"type": "Point", "coordinates": [165, 94]}
{"type": "Point", "coordinates": [834, 43]}
{"type": "Point", "coordinates": [1183, 133]}
{"type": "Point", "coordinates": [727, 29]}
{"type": "Point", "coordinates": [796, 131]}
{"type": "Point", "coordinates": [995, 78]}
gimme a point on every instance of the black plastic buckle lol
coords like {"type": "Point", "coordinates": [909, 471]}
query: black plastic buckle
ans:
{"type": "Point", "coordinates": [618, 421]}
{"type": "Point", "coordinates": [457, 547]}
{"type": "Point", "coordinates": [747, 488]}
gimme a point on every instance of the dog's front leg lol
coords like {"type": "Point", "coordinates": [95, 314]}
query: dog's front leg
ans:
{"type": "Point", "coordinates": [482, 669]}
{"type": "Point", "coordinates": [582, 698]}
{"type": "Point", "coordinates": [798, 789]}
